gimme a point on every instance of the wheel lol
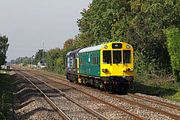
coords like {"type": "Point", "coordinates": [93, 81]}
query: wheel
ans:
{"type": "Point", "coordinates": [124, 90]}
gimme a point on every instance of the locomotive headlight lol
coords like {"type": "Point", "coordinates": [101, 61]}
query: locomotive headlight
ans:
{"type": "Point", "coordinates": [105, 70]}
{"type": "Point", "coordinates": [128, 46]}
{"type": "Point", "coordinates": [105, 47]}
{"type": "Point", "coordinates": [128, 69]}
{"type": "Point", "coordinates": [131, 69]}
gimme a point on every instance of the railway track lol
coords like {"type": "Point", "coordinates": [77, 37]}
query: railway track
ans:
{"type": "Point", "coordinates": [172, 106]}
{"type": "Point", "coordinates": [155, 101]}
{"type": "Point", "coordinates": [51, 103]}
{"type": "Point", "coordinates": [130, 94]}
{"type": "Point", "coordinates": [97, 101]}
{"type": "Point", "coordinates": [63, 114]}
{"type": "Point", "coordinates": [176, 117]}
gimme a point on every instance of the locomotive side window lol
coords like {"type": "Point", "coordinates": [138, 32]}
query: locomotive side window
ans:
{"type": "Point", "coordinates": [95, 60]}
{"type": "Point", "coordinates": [117, 59]}
{"type": "Point", "coordinates": [107, 57]}
{"type": "Point", "coordinates": [127, 56]}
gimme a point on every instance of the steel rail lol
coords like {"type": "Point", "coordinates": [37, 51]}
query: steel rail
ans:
{"type": "Point", "coordinates": [155, 101]}
{"type": "Point", "coordinates": [176, 117]}
{"type": "Point", "coordinates": [107, 103]}
{"type": "Point", "coordinates": [138, 96]}
{"type": "Point", "coordinates": [52, 104]}
{"type": "Point", "coordinates": [98, 115]}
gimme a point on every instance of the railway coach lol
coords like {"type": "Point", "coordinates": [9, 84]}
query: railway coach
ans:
{"type": "Point", "coordinates": [107, 66]}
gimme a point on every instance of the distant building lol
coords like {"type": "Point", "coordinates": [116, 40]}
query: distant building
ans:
{"type": "Point", "coordinates": [41, 64]}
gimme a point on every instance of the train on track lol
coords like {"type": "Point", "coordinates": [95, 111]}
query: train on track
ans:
{"type": "Point", "coordinates": [107, 66]}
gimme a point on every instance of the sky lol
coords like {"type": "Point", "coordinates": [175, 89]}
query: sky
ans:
{"type": "Point", "coordinates": [31, 25]}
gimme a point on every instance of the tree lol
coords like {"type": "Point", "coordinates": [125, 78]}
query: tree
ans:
{"type": "Point", "coordinates": [146, 25]}
{"type": "Point", "coordinates": [105, 20]}
{"type": "Point", "coordinates": [68, 43]}
{"type": "Point", "coordinates": [138, 22]}
{"type": "Point", "coordinates": [173, 44]}
{"type": "Point", "coordinates": [39, 56]}
{"type": "Point", "coordinates": [22, 60]}
{"type": "Point", "coordinates": [51, 59]}
{"type": "Point", "coordinates": [3, 49]}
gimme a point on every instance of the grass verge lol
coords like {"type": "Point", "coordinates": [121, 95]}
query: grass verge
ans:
{"type": "Point", "coordinates": [162, 86]}
{"type": "Point", "coordinates": [6, 96]}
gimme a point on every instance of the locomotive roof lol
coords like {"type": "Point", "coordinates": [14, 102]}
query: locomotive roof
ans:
{"type": "Point", "coordinates": [73, 52]}
{"type": "Point", "coordinates": [93, 48]}
{"type": "Point", "coordinates": [68, 53]}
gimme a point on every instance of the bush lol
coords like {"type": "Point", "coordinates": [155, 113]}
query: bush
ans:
{"type": "Point", "coordinates": [5, 96]}
{"type": "Point", "coordinates": [173, 44]}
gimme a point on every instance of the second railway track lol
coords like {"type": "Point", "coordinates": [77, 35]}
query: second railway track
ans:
{"type": "Point", "coordinates": [147, 98]}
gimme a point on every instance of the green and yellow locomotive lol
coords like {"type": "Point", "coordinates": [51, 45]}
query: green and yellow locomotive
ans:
{"type": "Point", "coordinates": [107, 66]}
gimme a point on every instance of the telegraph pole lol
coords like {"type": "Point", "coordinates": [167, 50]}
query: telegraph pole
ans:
{"type": "Point", "coordinates": [43, 52]}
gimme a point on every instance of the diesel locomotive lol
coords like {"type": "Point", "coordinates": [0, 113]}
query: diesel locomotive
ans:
{"type": "Point", "coordinates": [107, 66]}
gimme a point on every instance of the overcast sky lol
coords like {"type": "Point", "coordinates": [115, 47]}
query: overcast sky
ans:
{"type": "Point", "coordinates": [29, 23]}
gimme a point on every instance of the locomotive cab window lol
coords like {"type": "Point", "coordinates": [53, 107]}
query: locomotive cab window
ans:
{"type": "Point", "coordinates": [127, 56]}
{"type": "Point", "coordinates": [107, 57]}
{"type": "Point", "coordinates": [117, 59]}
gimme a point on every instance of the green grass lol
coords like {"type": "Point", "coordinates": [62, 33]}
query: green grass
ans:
{"type": "Point", "coordinates": [5, 96]}
{"type": "Point", "coordinates": [176, 95]}
{"type": "Point", "coordinates": [163, 86]}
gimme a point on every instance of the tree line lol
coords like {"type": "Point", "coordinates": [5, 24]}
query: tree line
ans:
{"type": "Point", "coordinates": [151, 26]}
{"type": "Point", "coordinates": [3, 49]}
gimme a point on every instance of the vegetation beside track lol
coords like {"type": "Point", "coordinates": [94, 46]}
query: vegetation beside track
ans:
{"type": "Point", "coordinates": [6, 96]}
{"type": "Point", "coordinates": [162, 86]}
{"type": "Point", "coordinates": [3, 49]}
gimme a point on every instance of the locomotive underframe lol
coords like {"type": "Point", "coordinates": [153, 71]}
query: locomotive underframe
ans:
{"type": "Point", "coordinates": [113, 83]}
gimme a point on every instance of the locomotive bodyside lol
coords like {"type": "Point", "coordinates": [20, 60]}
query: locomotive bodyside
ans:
{"type": "Point", "coordinates": [89, 61]}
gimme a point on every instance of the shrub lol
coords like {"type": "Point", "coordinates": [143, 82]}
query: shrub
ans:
{"type": "Point", "coordinates": [173, 44]}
